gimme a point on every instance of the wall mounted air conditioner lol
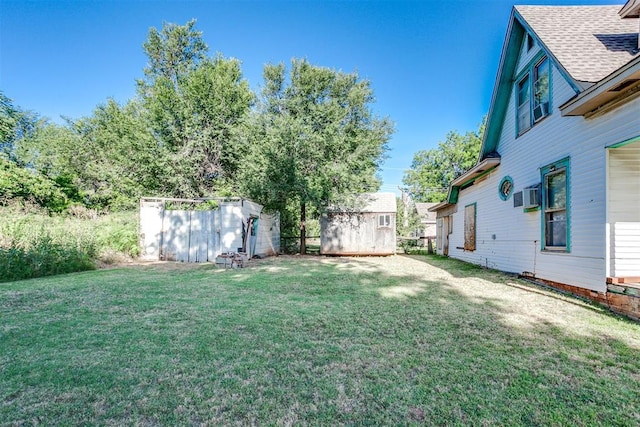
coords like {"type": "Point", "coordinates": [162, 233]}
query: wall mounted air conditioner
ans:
{"type": "Point", "coordinates": [531, 197]}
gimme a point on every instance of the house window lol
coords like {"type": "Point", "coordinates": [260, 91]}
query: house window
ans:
{"type": "Point", "coordinates": [524, 109]}
{"type": "Point", "coordinates": [505, 188]}
{"type": "Point", "coordinates": [541, 90]}
{"type": "Point", "coordinates": [533, 94]}
{"type": "Point", "coordinates": [555, 199]}
{"type": "Point", "coordinates": [384, 220]}
{"type": "Point", "coordinates": [470, 227]}
{"type": "Point", "coordinates": [530, 42]}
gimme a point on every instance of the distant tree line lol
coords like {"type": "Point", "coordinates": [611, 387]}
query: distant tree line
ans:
{"type": "Point", "coordinates": [433, 170]}
{"type": "Point", "coordinates": [196, 129]}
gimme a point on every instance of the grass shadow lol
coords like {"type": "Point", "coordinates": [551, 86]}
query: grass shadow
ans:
{"type": "Point", "coordinates": [313, 341]}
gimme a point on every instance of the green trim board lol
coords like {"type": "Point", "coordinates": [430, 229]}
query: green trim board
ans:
{"type": "Point", "coordinates": [625, 142]}
{"type": "Point", "coordinates": [455, 190]}
{"type": "Point", "coordinates": [453, 195]}
{"type": "Point", "coordinates": [549, 170]}
{"type": "Point", "coordinates": [503, 87]}
{"type": "Point", "coordinates": [505, 188]}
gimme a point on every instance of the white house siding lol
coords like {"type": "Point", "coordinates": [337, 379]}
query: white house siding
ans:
{"type": "Point", "coordinates": [516, 247]}
{"type": "Point", "coordinates": [624, 210]}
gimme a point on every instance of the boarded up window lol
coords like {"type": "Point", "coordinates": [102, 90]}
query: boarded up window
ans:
{"type": "Point", "coordinates": [470, 227]}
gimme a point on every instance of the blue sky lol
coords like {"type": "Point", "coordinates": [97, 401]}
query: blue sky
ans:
{"type": "Point", "coordinates": [432, 64]}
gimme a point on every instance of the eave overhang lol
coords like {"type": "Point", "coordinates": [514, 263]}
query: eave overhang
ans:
{"type": "Point", "coordinates": [619, 87]}
{"type": "Point", "coordinates": [478, 170]}
{"type": "Point", "coordinates": [482, 168]}
{"type": "Point", "coordinates": [631, 9]}
{"type": "Point", "coordinates": [439, 206]}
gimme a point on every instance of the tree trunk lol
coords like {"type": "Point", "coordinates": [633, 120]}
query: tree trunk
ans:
{"type": "Point", "coordinates": [303, 228]}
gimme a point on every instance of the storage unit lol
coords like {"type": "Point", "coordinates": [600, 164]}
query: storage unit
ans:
{"type": "Point", "coordinates": [199, 230]}
{"type": "Point", "coordinates": [366, 226]}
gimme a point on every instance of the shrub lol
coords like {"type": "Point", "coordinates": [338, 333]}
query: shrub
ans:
{"type": "Point", "coordinates": [34, 244]}
{"type": "Point", "coordinates": [20, 183]}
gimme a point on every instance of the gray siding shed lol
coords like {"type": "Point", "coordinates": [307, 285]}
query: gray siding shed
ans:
{"type": "Point", "coordinates": [367, 226]}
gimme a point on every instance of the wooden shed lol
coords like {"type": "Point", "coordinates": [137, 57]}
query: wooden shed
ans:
{"type": "Point", "coordinates": [365, 226]}
{"type": "Point", "coordinates": [200, 230]}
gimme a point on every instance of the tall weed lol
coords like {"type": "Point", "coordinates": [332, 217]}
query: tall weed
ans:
{"type": "Point", "coordinates": [35, 244]}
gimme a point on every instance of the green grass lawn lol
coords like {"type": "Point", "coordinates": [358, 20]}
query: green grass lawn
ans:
{"type": "Point", "coordinates": [304, 340]}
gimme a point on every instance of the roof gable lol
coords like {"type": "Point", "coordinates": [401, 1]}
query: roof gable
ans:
{"type": "Point", "coordinates": [585, 43]}
{"type": "Point", "coordinates": [590, 42]}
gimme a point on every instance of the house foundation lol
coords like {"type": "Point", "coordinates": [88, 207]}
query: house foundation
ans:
{"type": "Point", "coordinates": [622, 295]}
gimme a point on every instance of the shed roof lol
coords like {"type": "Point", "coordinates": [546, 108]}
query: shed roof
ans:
{"type": "Point", "coordinates": [590, 42]}
{"type": "Point", "coordinates": [367, 202]}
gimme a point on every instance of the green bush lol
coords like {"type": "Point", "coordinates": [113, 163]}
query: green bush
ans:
{"type": "Point", "coordinates": [23, 184]}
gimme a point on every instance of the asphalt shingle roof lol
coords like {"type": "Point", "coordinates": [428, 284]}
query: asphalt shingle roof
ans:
{"type": "Point", "coordinates": [590, 42]}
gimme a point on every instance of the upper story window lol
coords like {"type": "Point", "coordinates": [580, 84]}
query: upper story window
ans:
{"type": "Point", "coordinates": [533, 94]}
{"type": "Point", "coordinates": [529, 42]}
{"type": "Point", "coordinates": [524, 108]}
{"type": "Point", "coordinates": [541, 90]}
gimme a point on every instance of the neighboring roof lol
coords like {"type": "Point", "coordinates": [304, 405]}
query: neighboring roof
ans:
{"type": "Point", "coordinates": [367, 202]}
{"type": "Point", "coordinates": [590, 42]}
{"type": "Point", "coordinates": [423, 211]}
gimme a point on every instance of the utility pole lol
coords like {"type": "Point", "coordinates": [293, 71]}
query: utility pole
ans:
{"type": "Point", "coordinates": [405, 203]}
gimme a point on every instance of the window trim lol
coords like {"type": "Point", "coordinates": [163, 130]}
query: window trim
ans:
{"type": "Point", "coordinates": [545, 171]}
{"type": "Point", "coordinates": [386, 218]}
{"type": "Point", "coordinates": [503, 196]}
{"type": "Point", "coordinates": [528, 72]}
{"type": "Point", "coordinates": [536, 75]}
{"type": "Point", "coordinates": [529, 42]}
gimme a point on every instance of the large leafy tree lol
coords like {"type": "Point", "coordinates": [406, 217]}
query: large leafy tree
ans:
{"type": "Point", "coordinates": [116, 159]}
{"type": "Point", "coordinates": [312, 140]}
{"type": "Point", "coordinates": [433, 170]}
{"type": "Point", "coordinates": [29, 170]}
{"type": "Point", "coordinates": [108, 160]}
{"type": "Point", "coordinates": [194, 104]}
{"type": "Point", "coordinates": [15, 124]}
